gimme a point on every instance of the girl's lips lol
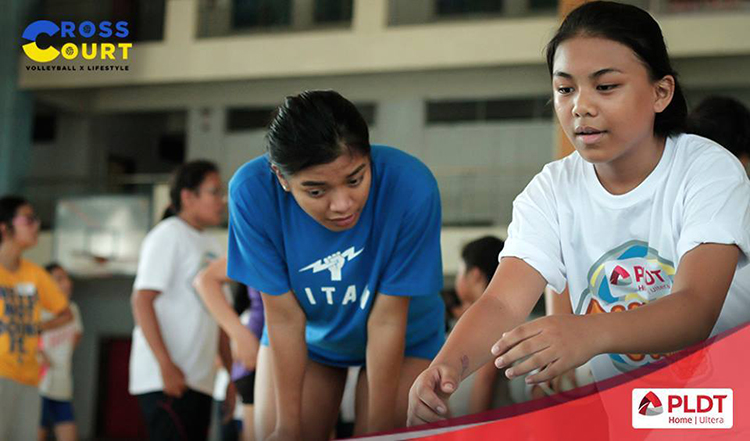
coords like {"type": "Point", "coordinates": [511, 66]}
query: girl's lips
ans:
{"type": "Point", "coordinates": [345, 221]}
{"type": "Point", "coordinates": [590, 138]}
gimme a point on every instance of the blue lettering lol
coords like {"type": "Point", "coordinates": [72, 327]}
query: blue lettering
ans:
{"type": "Point", "coordinates": [86, 29]}
{"type": "Point", "coordinates": [105, 29]}
{"type": "Point", "coordinates": [122, 29]}
{"type": "Point", "coordinates": [67, 29]}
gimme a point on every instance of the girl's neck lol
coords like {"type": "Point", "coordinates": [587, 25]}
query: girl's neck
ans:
{"type": "Point", "coordinates": [191, 220]}
{"type": "Point", "coordinates": [10, 256]}
{"type": "Point", "coordinates": [626, 172]}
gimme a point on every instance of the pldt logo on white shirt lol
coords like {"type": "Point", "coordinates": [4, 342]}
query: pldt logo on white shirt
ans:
{"type": "Point", "coordinates": [626, 277]}
{"type": "Point", "coordinates": [333, 263]}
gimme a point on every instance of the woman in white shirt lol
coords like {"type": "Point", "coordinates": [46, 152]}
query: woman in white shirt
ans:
{"type": "Point", "coordinates": [176, 340]}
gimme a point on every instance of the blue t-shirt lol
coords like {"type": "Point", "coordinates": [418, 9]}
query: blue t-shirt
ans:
{"type": "Point", "coordinates": [393, 249]}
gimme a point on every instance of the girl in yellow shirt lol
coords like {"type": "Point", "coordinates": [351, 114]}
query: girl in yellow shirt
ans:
{"type": "Point", "coordinates": [25, 288]}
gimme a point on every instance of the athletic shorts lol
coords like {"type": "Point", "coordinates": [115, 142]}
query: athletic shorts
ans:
{"type": "Point", "coordinates": [56, 412]}
{"type": "Point", "coordinates": [167, 418]}
{"type": "Point", "coordinates": [246, 387]}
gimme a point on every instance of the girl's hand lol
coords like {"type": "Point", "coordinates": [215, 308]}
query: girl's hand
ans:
{"type": "Point", "coordinates": [174, 380]}
{"type": "Point", "coordinates": [553, 344]}
{"type": "Point", "coordinates": [428, 396]}
{"type": "Point", "coordinates": [245, 348]}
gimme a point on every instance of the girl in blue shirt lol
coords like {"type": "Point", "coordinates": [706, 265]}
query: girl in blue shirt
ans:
{"type": "Point", "coordinates": [343, 240]}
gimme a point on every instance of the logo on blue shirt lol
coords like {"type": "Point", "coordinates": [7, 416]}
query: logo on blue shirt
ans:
{"type": "Point", "coordinates": [333, 263]}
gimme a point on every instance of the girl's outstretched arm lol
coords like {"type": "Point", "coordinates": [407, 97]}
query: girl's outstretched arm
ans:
{"type": "Point", "coordinates": [508, 300]}
{"type": "Point", "coordinates": [680, 319]}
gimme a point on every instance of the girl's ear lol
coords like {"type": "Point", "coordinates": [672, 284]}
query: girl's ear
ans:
{"type": "Point", "coordinates": [5, 232]}
{"type": "Point", "coordinates": [186, 198]}
{"type": "Point", "coordinates": [664, 91]}
{"type": "Point", "coordinates": [282, 180]}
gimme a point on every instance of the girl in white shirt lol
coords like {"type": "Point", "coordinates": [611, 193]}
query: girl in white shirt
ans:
{"type": "Point", "coordinates": [175, 341]}
{"type": "Point", "coordinates": [645, 224]}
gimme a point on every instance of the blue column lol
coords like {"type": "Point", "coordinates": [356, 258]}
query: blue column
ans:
{"type": "Point", "coordinates": [16, 106]}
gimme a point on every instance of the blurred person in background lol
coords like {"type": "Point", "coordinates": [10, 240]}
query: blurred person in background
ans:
{"type": "Point", "coordinates": [723, 120]}
{"type": "Point", "coordinates": [175, 340]}
{"type": "Point", "coordinates": [56, 386]}
{"type": "Point", "coordinates": [25, 289]}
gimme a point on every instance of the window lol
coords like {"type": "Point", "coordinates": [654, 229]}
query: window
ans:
{"type": "Point", "coordinates": [333, 11]}
{"type": "Point", "coordinates": [261, 13]}
{"type": "Point", "coordinates": [257, 118]}
{"type": "Point", "coordinates": [248, 118]}
{"type": "Point", "coordinates": [439, 112]}
{"type": "Point", "coordinates": [44, 128]}
{"type": "Point", "coordinates": [468, 7]}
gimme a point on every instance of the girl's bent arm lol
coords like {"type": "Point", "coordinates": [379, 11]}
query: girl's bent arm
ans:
{"type": "Point", "coordinates": [671, 323]}
{"type": "Point", "coordinates": [209, 283]}
{"type": "Point", "coordinates": [684, 317]}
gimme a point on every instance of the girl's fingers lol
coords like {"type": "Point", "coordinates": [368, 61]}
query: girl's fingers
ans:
{"type": "Point", "coordinates": [551, 371]}
{"type": "Point", "coordinates": [514, 337]}
{"type": "Point", "coordinates": [537, 361]}
{"type": "Point", "coordinates": [524, 348]}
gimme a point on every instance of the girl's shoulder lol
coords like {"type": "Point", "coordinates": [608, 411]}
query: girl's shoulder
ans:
{"type": "Point", "coordinates": [701, 156]}
{"type": "Point", "coordinates": [166, 231]}
{"type": "Point", "coordinates": [563, 172]}
{"type": "Point", "coordinates": [255, 173]}
{"type": "Point", "coordinates": [397, 168]}
{"type": "Point", "coordinates": [30, 268]}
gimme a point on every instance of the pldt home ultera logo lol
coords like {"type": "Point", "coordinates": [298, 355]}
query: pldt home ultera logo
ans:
{"type": "Point", "coordinates": [72, 51]}
{"type": "Point", "coordinates": [684, 408]}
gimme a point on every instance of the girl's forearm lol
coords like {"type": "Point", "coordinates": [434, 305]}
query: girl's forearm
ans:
{"type": "Point", "coordinates": [289, 352]}
{"type": "Point", "coordinates": [145, 317]}
{"type": "Point", "coordinates": [385, 355]}
{"type": "Point", "coordinates": [468, 346]}
{"type": "Point", "coordinates": [668, 324]}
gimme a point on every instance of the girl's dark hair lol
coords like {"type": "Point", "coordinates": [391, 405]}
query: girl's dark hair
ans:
{"type": "Point", "coordinates": [53, 266]}
{"type": "Point", "coordinates": [483, 253]}
{"type": "Point", "coordinates": [636, 29]}
{"type": "Point", "coordinates": [9, 206]}
{"type": "Point", "coordinates": [723, 120]}
{"type": "Point", "coordinates": [313, 128]}
{"type": "Point", "coordinates": [188, 176]}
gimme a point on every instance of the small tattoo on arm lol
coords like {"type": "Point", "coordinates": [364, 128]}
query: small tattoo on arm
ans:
{"type": "Point", "coordinates": [464, 365]}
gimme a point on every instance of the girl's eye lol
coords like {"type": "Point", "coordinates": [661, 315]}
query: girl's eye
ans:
{"type": "Point", "coordinates": [355, 182]}
{"type": "Point", "coordinates": [606, 87]}
{"type": "Point", "coordinates": [315, 193]}
{"type": "Point", "coordinates": [564, 90]}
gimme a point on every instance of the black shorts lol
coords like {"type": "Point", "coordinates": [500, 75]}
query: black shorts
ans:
{"type": "Point", "coordinates": [180, 419]}
{"type": "Point", "coordinates": [246, 387]}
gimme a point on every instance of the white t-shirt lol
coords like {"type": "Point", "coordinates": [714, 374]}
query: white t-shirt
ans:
{"type": "Point", "coordinates": [171, 256]}
{"type": "Point", "coordinates": [58, 344]}
{"type": "Point", "coordinates": [617, 252]}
